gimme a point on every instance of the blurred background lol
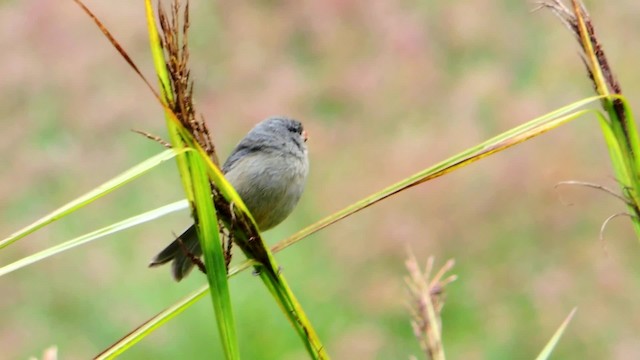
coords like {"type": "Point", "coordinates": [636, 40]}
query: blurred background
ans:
{"type": "Point", "coordinates": [385, 89]}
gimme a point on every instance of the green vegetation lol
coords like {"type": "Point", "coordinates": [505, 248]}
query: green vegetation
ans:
{"type": "Point", "coordinates": [522, 264]}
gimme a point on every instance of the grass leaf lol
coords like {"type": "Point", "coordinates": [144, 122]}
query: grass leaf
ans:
{"type": "Point", "coordinates": [91, 196]}
{"type": "Point", "coordinates": [198, 190]}
{"type": "Point", "coordinates": [151, 325]}
{"type": "Point", "coordinates": [548, 349]}
{"type": "Point", "coordinates": [94, 235]}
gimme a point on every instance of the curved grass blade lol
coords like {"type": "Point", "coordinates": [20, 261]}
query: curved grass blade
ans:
{"type": "Point", "coordinates": [198, 190]}
{"type": "Point", "coordinates": [498, 143]}
{"type": "Point", "coordinates": [622, 171]}
{"type": "Point", "coordinates": [214, 258]}
{"type": "Point", "coordinates": [250, 241]}
{"type": "Point", "coordinates": [92, 195]}
{"type": "Point", "coordinates": [94, 235]}
{"type": "Point", "coordinates": [159, 319]}
{"type": "Point", "coordinates": [173, 124]}
{"type": "Point", "coordinates": [615, 151]}
{"type": "Point", "coordinates": [548, 349]}
{"type": "Point", "coordinates": [152, 324]}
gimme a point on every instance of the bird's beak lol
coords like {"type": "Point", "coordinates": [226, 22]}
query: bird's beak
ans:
{"type": "Point", "coordinates": [304, 135]}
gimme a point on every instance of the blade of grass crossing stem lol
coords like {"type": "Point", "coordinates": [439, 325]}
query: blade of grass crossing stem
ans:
{"type": "Point", "coordinates": [91, 196]}
{"type": "Point", "coordinates": [158, 320]}
{"type": "Point", "coordinates": [151, 325]}
{"type": "Point", "coordinates": [546, 352]}
{"type": "Point", "coordinates": [270, 273]}
{"type": "Point", "coordinates": [620, 168]}
{"type": "Point", "coordinates": [198, 190]}
{"type": "Point", "coordinates": [631, 151]}
{"type": "Point", "coordinates": [633, 133]}
{"type": "Point", "coordinates": [173, 126]}
{"type": "Point", "coordinates": [635, 164]}
{"type": "Point", "coordinates": [161, 318]}
{"type": "Point", "coordinates": [157, 53]}
{"type": "Point", "coordinates": [214, 258]}
{"type": "Point", "coordinates": [94, 235]}
{"type": "Point", "coordinates": [279, 288]}
{"type": "Point", "coordinates": [432, 172]}
{"type": "Point", "coordinates": [615, 151]}
{"type": "Point", "coordinates": [565, 110]}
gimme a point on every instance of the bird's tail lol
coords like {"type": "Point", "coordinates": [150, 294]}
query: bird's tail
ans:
{"type": "Point", "coordinates": [181, 251]}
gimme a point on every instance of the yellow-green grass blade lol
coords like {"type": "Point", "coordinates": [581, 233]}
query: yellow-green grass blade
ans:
{"type": "Point", "coordinates": [94, 235]}
{"type": "Point", "coordinates": [589, 52]}
{"type": "Point", "coordinates": [157, 54]}
{"type": "Point", "coordinates": [501, 142]}
{"type": "Point", "coordinates": [158, 320]}
{"type": "Point", "coordinates": [255, 248]}
{"type": "Point", "coordinates": [91, 196]}
{"type": "Point", "coordinates": [634, 170]}
{"type": "Point", "coordinates": [152, 324]}
{"type": "Point", "coordinates": [626, 173]}
{"type": "Point", "coordinates": [214, 258]}
{"type": "Point", "coordinates": [198, 191]}
{"type": "Point", "coordinates": [548, 349]}
{"type": "Point", "coordinates": [289, 304]}
{"type": "Point", "coordinates": [615, 152]}
{"type": "Point", "coordinates": [166, 97]}
{"type": "Point", "coordinates": [634, 139]}
{"type": "Point", "coordinates": [628, 145]}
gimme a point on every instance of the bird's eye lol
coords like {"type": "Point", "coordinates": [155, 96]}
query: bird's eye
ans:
{"type": "Point", "coordinates": [295, 128]}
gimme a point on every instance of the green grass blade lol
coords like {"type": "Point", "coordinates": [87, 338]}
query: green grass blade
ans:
{"type": "Point", "coordinates": [198, 190]}
{"type": "Point", "coordinates": [151, 325]}
{"type": "Point", "coordinates": [615, 151]}
{"type": "Point", "coordinates": [214, 258]}
{"type": "Point", "coordinates": [173, 125]}
{"type": "Point", "coordinates": [279, 288]}
{"type": "Point", "coordinates": [92, 195]}
{"type": "Point", "coordinates": [624, 167]}
{"type": "Point", "coordinates": [94, 235]}
{"type": "Point", "coordinates": [548, 349]}
{"type": "Point", "coordinates": [501, 142]}
{"type": "Point", "coordinates": [157, 53]}
{"type": "Point", "coordinates": [634, 139]}
{"type": "Point", "coordinates": [169, 313]}
{"type": "Point", "coordinates": [253, 246]}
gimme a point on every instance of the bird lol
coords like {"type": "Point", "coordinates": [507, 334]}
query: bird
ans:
{"type": "Point", "coordinates": [268, 168]}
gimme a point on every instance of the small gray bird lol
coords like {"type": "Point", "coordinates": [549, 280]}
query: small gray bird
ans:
{"type": "Point", "coordinates": [268, 168]}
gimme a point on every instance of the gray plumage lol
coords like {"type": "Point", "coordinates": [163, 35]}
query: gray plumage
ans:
{"type": "Point", "coordinates": [268, 168]}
